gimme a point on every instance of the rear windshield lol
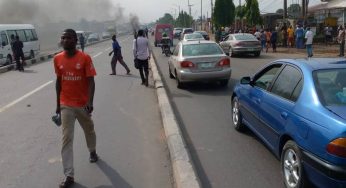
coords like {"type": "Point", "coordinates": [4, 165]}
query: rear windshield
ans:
{"type": "Point", "coordinates": [164, 30]}
{"type": "Point", "coordinates": [201, 49]}
{"type": "Point", "coordinates": [245, 37]}
{"type": "Point", "coordinates": [331, 86]}
{"type": "Point", "coordinates": [193, 36]}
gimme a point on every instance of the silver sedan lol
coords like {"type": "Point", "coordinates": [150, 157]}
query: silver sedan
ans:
{"type": "Point", "coordinates": [199, 61]}
{"type": "Point", "coordinates": [241, 43]}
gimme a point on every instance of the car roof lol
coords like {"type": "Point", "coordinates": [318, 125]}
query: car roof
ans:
{"type": "Point", "coordinates": [197, 42]}
{"type": "Point", "coordinates": [317, 63]}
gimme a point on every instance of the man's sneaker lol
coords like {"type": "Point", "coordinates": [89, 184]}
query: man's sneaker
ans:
{"type": "Point", "coordinates": [68, 182]}
{"type": "Point", "coordinates": [93, 157]}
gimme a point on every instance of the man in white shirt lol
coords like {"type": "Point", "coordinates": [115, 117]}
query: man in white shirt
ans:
{"type": "Point", "coordinates": [309, 35]}
{"type": "Point", "coordinates": [141, 52]}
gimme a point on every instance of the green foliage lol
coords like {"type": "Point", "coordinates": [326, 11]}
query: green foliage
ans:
{"type": "Point", "coordinates": [183, 20]}
{"type": "Point", "coordinates": [166, 19]}
{"type": "Point", "coordinates": [224, 13]}
{"type": "Point", "coordinates": [253, 15]}
{"type": "Point", "coordinates": [240, 11]}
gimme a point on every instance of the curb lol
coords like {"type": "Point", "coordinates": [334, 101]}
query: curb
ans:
{"type": "Point", "coordinates": [183, 170]}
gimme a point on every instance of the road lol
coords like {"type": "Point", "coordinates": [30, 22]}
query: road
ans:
{"type": "Point", "coordinates": [130, 137]}
{"type": "Point", "coordinates": [222, 156]}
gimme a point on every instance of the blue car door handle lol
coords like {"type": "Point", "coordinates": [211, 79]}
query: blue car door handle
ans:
{"type": "Point", "coordinates": [284, 115]}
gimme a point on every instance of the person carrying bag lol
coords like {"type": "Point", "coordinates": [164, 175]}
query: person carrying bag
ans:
{"type": "Point", "coordinates": [141, 54]}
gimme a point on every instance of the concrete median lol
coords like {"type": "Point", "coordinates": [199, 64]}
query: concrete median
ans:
{"type": "Point", "coordinates": [184, 172]}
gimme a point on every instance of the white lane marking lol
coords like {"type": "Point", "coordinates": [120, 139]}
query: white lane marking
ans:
{"type": "Point", "coordinates": [97, 54]}
{"type": "Point", "coordinates": [108, 49]}
{"type": "Point", "coordinates": [25, 96]}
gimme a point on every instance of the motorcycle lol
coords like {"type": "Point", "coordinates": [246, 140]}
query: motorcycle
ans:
{"type": "Point", "coordinates": [166, 49]}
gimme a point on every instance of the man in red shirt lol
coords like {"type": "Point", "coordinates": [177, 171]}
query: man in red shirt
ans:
{"type": "Point", "coordinates": [75, 87]}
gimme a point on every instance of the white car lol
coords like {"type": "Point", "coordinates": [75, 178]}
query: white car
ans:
{"type": "Point", "coordinates": [200, 60]}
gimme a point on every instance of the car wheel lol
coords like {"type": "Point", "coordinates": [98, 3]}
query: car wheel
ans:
{"type": "Point", "coordinates": [170, 73]}
{"type": "Point", "coordinates": [292, 167]}
{"type": "Point", "coordinates": [230, 53]}
{"type": "Point", "coordinates": [257, 54]}
{"type": "Point", "coordinates": [155, 44]}
{"type": "Point", "coordinates": [180, 85]}
{"type": "Point", "coordinates": [236, 115]}
{"type": "Point", "coordinates": [224, 83]}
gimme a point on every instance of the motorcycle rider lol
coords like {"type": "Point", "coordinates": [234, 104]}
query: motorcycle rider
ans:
{"type": "Point", "coordinates": [165, 42]}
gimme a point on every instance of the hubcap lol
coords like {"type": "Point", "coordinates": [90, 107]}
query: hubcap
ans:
{"type": "Point", "coordinates": [235, 115]}
{"type": "Point", "coordinates": [291, 168]}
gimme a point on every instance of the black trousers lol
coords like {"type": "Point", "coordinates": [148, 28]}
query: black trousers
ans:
{"type": "Point", "coordinates": [143, 69]}
{"type": "Point", "coordinates": [114, 61]}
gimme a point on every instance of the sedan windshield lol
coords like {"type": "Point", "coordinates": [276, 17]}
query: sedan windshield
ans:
{"type": "Point", "coordinates": [193, 36]}
{"type": "Point", "coordinates": [245, 37]}
{"type": "Point", "coordinates": [201, 49]}
{"type": "Point", "coordinates": [331, 86]}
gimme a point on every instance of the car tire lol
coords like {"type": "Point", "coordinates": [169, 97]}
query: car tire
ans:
{"type": "Point", "coordinates": [230, 53]}
{"type": "Point", "coordinates": [180, 85]}
{"type": "Point", "coordinates": [170, 73]}
{"type": "Point", "coordinates": [224, 83]}
{"type": "Point", "coordinates": [292, 167]}
{"type": "Point", "coordinates": [155, 44]}
{"type": "Point", "coordinates": [257, 54]}
{"type": "Point", "coordinates": [237, 118]}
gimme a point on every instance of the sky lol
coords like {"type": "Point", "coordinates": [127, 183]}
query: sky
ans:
{"type": "Point", "coordinates": [151, 10]}
{"type": "Point", "coordinates": [45, 11]}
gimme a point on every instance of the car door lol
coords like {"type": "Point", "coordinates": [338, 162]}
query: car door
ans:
{"type": "Point", "coordinates": [251, 96]}
{"type": "Point", "coordinates": [224, 45]}
{"type": "Point", "coordinates": [276, 106]}
{"type": "Point", "coordinates": [172, 61]}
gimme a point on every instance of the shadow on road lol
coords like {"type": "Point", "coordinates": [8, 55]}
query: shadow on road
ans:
{"type": "Point", "coordinates": [113, 176]}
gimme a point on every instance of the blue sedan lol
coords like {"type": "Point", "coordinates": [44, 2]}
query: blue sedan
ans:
{"type": "Point", "coordinates": [298, 108]}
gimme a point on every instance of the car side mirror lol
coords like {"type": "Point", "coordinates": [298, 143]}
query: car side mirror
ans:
{"type": "Point", "coordinates": [246, 80]}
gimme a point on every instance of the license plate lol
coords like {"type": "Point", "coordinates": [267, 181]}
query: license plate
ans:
{"type": "Point", "coordinates": [206, 65]}
{"type": "Point", "coordinates": [250, 49]}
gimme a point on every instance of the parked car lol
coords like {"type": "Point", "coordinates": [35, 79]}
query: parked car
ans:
{"type": "Point", "coordinates": [176, 32]}
{"type": "Point", "coordinates": [241, 43]}
{"type": "Point", "coordinates": [106, 35]}
{"type": "Point", "coordinates": [204, 34]}
{"type": "Point", "coordinates": [199, 61]}
{"type": "Point", "coordinates": [93, 37]}
{"type": "Point", "coordinates": [193, 36]}
{"type": "Point", "coordinates": [185, 31]}
{"type": "Point", "coordinates": [298, 109]}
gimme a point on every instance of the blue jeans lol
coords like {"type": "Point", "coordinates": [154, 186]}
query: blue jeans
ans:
{"type": "Point", "coordinates": [309, 50]}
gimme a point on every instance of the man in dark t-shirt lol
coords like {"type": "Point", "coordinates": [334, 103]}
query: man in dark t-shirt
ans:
{"type": "Point", "coordinates": [17, 47]}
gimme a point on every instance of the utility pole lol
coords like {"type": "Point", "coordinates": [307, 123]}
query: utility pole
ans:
{"type": "Point", "coordinates": [285, 9]}
{"type": "Point", "coordinates": [304, 9]}
{"type": "Point", "coordinates": [189, 6]}
{"type": "Point", "coordinates": [211, 16]}
{"type": "Point", "coordinates": [201, 16]}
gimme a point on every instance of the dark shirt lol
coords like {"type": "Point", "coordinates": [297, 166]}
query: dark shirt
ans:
{"type": "Point", "coordinates": [274, 36]}
{"type": "Point", "coordinates": [81, 40]}
{"type": "Point", "coordinates": [17, 47]}
{"type": "Point", "coordinates": [116, 48]}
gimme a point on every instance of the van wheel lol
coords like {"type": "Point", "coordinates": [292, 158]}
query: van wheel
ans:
{"type": "Point", "coordinates": [8, 60]}
{"type": "Point", "coordinates": [32, 54]}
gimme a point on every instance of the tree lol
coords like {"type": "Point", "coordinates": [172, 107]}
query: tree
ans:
{"type": "Point", "coordinates": [280, 11]}
{"type": "Point", "coordinates": [294, 10]}
{"type": "Point", "coordinates": [183, 20]}
{"type": "Point", "coordinates": [253, 15]}
{"type": "Point", "coordinates": [240, 11]}
{"type": "Point", "coordinates": [224, 12]}
{"type": "Point", "coordinates": [166, 19]}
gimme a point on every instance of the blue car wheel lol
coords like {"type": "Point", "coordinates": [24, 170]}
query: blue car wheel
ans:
{"type": "Point", "coordinates": [236, 115]}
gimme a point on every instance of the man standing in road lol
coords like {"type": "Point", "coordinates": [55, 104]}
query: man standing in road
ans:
{"type": "Point", "coordinates": [82, 42]}
{"type": "Point", "coordinates": [117, 56]}
{"type": "Point", "coordinates": [309, 37]}
{"type": "Point", "coordinates": [341, 41]}
{"type": "Point", "coordinates": [17, 47]}
{"type": "Point", "coordinates": [141, 52]}
{"type": "Point", "coordinates": [75, 87]}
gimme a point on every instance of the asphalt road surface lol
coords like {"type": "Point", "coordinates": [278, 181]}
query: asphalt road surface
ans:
{"type": "Point", "coordinates": [130, 137]}
{"type": "Point", "coordinates": [222, 156]}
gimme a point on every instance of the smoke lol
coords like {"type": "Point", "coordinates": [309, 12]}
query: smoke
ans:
{"type": "Point", "coordinates": [134, 21]}
{"type": "Point", "coordinates": [44, 11]}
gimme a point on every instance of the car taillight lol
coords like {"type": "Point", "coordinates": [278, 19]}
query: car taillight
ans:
{"type": "Point", "coordinates": [187, 64]}
{"type": "Point", "coordinates": [225, 62]}
{"type": "Point", "coordinates": [337, 147]}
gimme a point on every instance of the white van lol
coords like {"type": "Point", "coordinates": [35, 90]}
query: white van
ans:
{"type": "Point", "coordinates": [27, 34]}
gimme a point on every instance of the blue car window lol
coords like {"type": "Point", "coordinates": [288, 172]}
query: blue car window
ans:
{"type": "Point", "coordinates": [265, 78]}
{"type": "Point", "coordinates": [331, 86]}
{"type": "Point", "coordinates": [287, 82]}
